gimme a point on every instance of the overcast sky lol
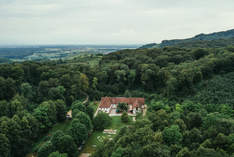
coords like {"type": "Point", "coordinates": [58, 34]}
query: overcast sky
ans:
{"type": "Point", "coordinates": [110, 21]}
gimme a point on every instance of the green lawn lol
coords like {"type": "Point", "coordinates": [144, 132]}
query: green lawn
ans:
{"type": "Point", "coordinates": [93, 141]}
{"type": "Point", "coordinates": [97, 137]}
{"type": "Point", "coordinates": [117, 123]}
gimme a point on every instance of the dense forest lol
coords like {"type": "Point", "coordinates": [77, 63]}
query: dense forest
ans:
{"type": "Point", "coordinates": [189, 91]}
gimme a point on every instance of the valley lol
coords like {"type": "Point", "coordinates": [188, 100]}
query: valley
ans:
{"type": "Point", "coordinates": [55, 52]}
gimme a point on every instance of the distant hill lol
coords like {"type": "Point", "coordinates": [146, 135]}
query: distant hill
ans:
{"type": "Point", "coordinates": [224, 35]}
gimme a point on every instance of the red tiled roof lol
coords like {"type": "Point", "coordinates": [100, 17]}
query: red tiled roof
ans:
{"type": "Point", "coordinates": [107, 101]}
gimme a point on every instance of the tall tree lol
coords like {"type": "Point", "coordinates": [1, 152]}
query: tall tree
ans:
{"type": "Point", "coordinates": [172, 135]}
{"type": "Point", "coordinates": [5, 147]}
{"type": "Point", "coordinates": [124, 117]}
{"type": "Point", "coordinates": [60, 110]}
{"type": "Point", "coordinates": [64, 143]}
{"type": "Point", "coordinates": [45, 113]}
{"type": "Point", "coordinates": [84, 119]}
{"type": "Point", "coordinates": [101, 121]}
{"type": "Point", "coordinates": [79, 132]}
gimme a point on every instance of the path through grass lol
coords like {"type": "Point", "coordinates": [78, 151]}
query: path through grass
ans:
{"type": "Point", "coordinates": [98, 137]}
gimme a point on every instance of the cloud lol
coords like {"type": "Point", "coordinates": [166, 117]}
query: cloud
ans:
{"type": "Point", "coordinates": [110, 21]}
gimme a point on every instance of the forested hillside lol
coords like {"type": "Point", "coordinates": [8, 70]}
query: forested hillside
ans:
{"type": "Point", "coordinates": [220, 39]}
{"type": "Point", "coordinates": [189, 92]}
{"type": "Point", "coordinates": [218, 90]}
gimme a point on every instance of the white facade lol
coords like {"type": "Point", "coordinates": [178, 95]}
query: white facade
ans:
{"type": "Point", "coordinates": [114, 106]}
{"type": "Point", "coordinates": [107, 110]}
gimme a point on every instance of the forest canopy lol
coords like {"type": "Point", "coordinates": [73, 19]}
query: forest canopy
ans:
{"type": "Point", "coordinates": [189, 92]}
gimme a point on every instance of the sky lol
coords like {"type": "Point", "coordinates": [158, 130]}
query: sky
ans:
{"type": "Point", "coordinates": [36, 22]}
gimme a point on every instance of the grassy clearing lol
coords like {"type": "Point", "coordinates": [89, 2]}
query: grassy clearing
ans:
{"type": "Point", "coordinates": [94, 140]}
{"type": "Point", "coordinates": [116, 123]}
{"type": "Point", "coordinates": [98, 137]}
